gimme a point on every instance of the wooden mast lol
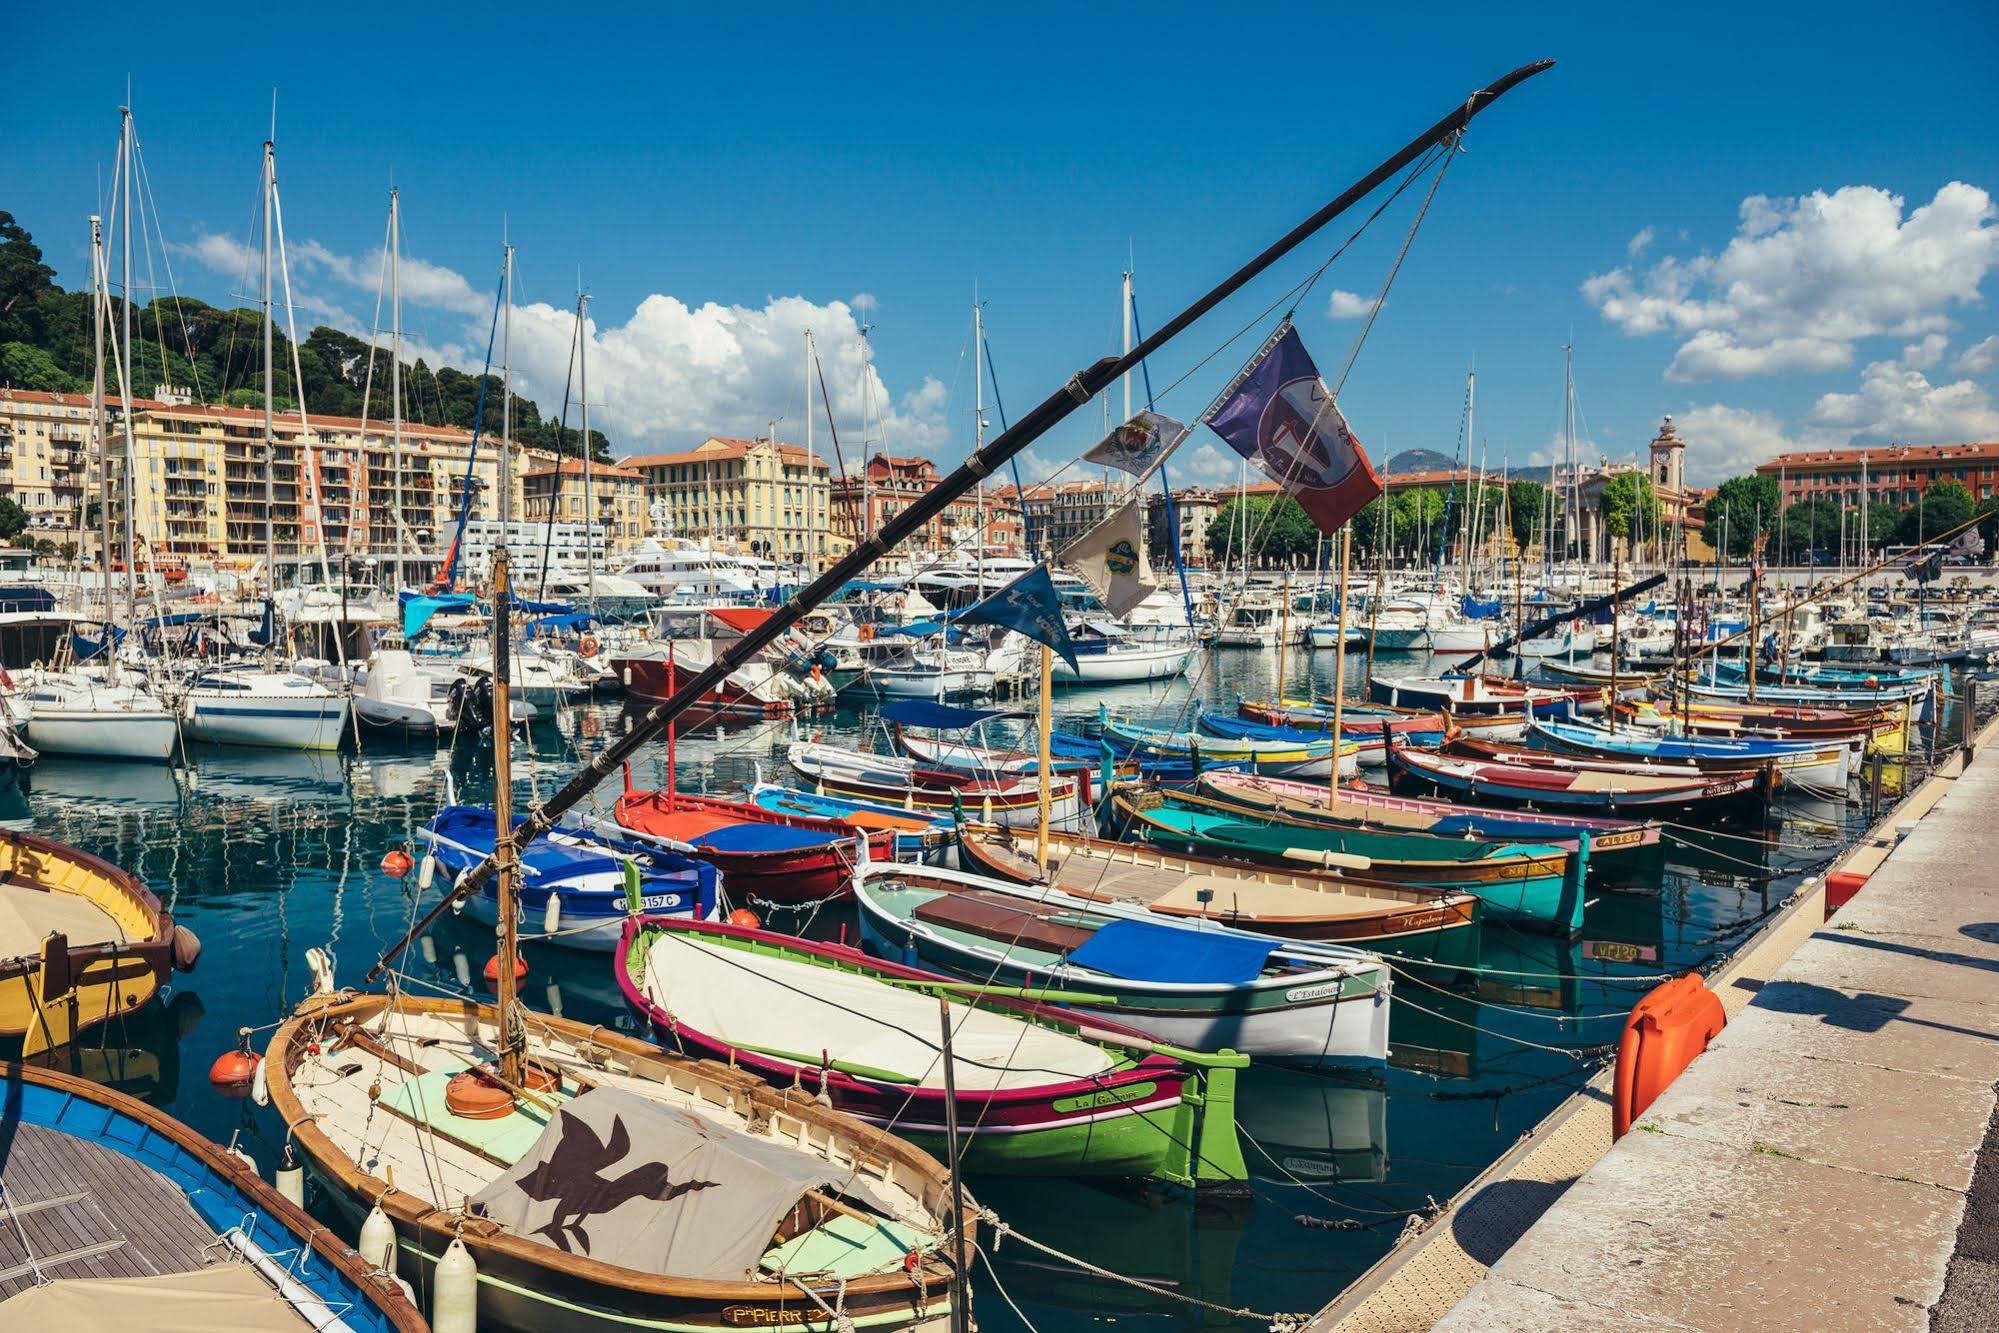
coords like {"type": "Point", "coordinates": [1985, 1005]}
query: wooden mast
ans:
{"type": "Point", "coordinates": [1044, 762]}
{"type": "Point", "coordinates": [1339, 669]}
{"type": "Point", "coordinates": [1078, 390]}
{"type": "Point", "coordinates": [513, 1037]}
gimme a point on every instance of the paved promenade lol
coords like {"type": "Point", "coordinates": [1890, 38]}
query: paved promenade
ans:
{"type": "Point", "coordinates": [1828, 1164]}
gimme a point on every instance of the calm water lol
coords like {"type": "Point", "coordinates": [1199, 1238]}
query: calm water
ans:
{"type": "Point", "coordinates": [265, 856]}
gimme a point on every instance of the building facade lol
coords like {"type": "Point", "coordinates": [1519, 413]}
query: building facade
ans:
{"type": "Point", "coordinates": [200, 478]}
{"type": "Point", "coordinates": [769, 498]}
{"type": "Point", "coordinates": [610, 497]}
{"type": "Point", "coordinates": [887, 485]}
{"type": "Point", "coordinates": [1892, 474]}
{"type": "Point", "coordinates": [1194, 509]}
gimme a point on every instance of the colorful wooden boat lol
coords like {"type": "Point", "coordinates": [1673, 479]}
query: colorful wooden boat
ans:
{"type": "Point", "coordinates": [1356, 719]}
{"type": "Point", "coordinates": [1370, 746]}
{"type": "Point", "coordinates": [1293, 902]}
{"type": "Point", "coordinates": [1483, 696]}
{"type": "Point", "coordinates": [1541, 780]}
{"type": "Point", "coordinates": [895, 780]}
{"type": "Point", "coordinates": [1300, 755]}
{"type": "Point", "coordinates": [81, 941]}
{"type": "Point", "coordinates": [919, 835]}
{"type": "Point", "coordinates": [1200, 985]}
{"type": "Point", "coordinates": [1529, 884]}
{"type": "Point", "coordinates": [761, 853]}
{"type": "Point", "coordinates": [1817, 763]}
{"type": "Point", "coordinates": [564, 1194]}
{"type": "Point", "coordinates": [133, 1221]}
{"type": "Point", "coordinates": [1377, 807]}
{"type": "Point", "coordinates": [573, 880]}
{"type": "Point", "coordinates": [1038, 1091]}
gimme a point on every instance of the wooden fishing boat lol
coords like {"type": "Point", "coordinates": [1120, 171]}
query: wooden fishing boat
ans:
{"type": "Point", "coordinates": [80, 941]}
{"type": "Point", "coordinates": [626, 1188]}
{"type": "Point", "coordinates": [574, 881]}
{"type": "Point", "coordinates": [132, 1220]}
{"type": "Point", "coordinates": [761, 853]}
{"type": "Point", "coordinates": [1816, 763]}
{"type": "Point", "coordinates": [1530, 884]}
{"type": "Point", "coordinates": [1037, 1090]}
{"type": "Point", "coordinates": [1301, 756]}
{"type": "Point", "coordinates": [895, 780]}
{"type": "Point", "coordinates": [1202, 985]}
{"type": "Point", "coordinates": [1483, 772]}
{"type": "Point", "coordinates": [1884, 729]}
{"type": "Point", "coordinates": [1293, 902]}
{"type": "Point", "coordinates": [1377, 807]}
{"type": "Point", "coordinates": [1356, 719]}
{"type": "Point", "coordinates": [919, 835]}
{"type": "Point", "coordinates": [1483, 696]}
{"type": "Point", "coordinates": [1370, 747]}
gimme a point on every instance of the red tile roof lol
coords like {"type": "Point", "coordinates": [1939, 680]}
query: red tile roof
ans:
{"type": "Point", "coordinates": [730, 448]}
{"type": "Point", "coordinates": [573, 467]}
{"type": "Point", "coordinates": [1887, 456]}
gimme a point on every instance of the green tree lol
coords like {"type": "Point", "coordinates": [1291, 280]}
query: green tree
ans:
{"type": "Point", "coordinates": [27, 367]}
{"type": "Point", "coordinates": [13, 519]}
{"type": "Point", "coordinates": [1524, 503]}
{"type": "Point", "coordinates": [1225, 530]}
{"type": "Point", "coordinates": [1988, 522]}
{"type": "Point", "coordinates": [1808, 526]}
{"type": "Point", "coordinates": [1629, 506]}
{"type": "Point", "coordinates": [1943, 506]}
{"type": "Point", "coordinates": [1743, 507]}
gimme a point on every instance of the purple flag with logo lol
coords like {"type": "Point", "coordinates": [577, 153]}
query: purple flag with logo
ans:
{"type": "Point", "coordinates": [1281, 417]}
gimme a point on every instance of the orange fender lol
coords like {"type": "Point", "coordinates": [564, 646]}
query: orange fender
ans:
{"type": "Point", "coordinates": [1666, 1030]}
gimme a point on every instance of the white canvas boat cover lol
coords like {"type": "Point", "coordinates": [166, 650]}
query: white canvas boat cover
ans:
{"type": "Point", "coordinates": [228, 1298]}
{"type": "Point", "coordinates": [624, 1180]}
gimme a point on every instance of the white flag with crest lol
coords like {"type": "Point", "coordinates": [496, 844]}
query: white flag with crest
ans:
{"type": "Point", "coordinates": [1111, 558]}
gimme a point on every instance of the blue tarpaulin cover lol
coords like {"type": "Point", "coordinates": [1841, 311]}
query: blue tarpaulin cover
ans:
{"type": "Point", "coordinates": [1149, 951]}
{"type": "Point", "coordinates": [26, 598]}
{"type": "Point", "coordinates": [944, 717]}
{"type": "Point", "coordinates": [1474, 609]}
{"type": "Point", "coordinates": [575, 620]}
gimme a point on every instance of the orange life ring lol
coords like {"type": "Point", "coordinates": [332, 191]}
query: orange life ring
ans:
{"type": "Point", "coordinates": [589, 646]}
{"type": "Point", "coordinates": [867, 633]}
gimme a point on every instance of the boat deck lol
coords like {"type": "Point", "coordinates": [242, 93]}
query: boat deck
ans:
{"type": "Point", "coordinates": [73, 1209]}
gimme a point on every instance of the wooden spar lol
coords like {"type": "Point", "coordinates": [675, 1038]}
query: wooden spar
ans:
{"type": "Point", "coordinates": [961, 1311]}
{"type": "Point", "coordinates": [1616, 578]}
{"type": "Point", "coordinates": [1339, 669]}
{"type": "Point", "coordinates": [513, 1036]}
{"type": "Point", "coordinates": [1044, 759]}
{"type": "Point", "coordinates": [1284, 640]}
{"type": "Point", "coordinates": [1080, 389]}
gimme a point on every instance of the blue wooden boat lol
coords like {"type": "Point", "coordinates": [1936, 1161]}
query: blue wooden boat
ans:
{"type": "Point", "coordinates": [573, 880]}
{"type": "Point", "coordinates": [1373, 742]}
{"type": "Point", "coordinates": [862, 815]}
{"type": "Point", "coordinates": [1826, 763]}
{"type": "Point", "coordinates": [133, 1220]}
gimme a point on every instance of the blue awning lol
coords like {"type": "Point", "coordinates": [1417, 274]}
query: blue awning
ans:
{"type": "Point", "coordinates": [1474, 609]}
{"type": "Point", "coordinates": [525, 607]}
{"type": "Point", "coordinates": [1148, 951]}
{"type": "Point", "coordinates": [27, 598]}
{"type": "Point", "coordinates": [575, 620]}
{"type": "Point", "coordinates": [943, 717]}
{"type": "Point", "coordinates": [175, 621]}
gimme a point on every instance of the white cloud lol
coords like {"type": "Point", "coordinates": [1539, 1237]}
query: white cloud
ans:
{"type": "Point", "coordinates": [1978, 358]}
{"type": "Point", "coordinates": [1638, 244]}
{"type": "Point", "coordinates": [1804, 279]}
{"type": "Point", "coordinates": [1897, 402]}
{"type": "Point", "coordinates": [668, 376]}
{"type": "Point", "coordinates": [1924, 355]}
{"type": "Point", "coordinates": [1348, 305]}
{"type": "Point", "coordinates": [1724, 441]}
{"type": "Point", "coordinates": [1206, 466]}
{"type": "Point", "coordinates": [864, 302]}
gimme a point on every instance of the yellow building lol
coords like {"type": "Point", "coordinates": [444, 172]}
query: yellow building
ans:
{"type": "Point", "coordinates": [616, 501]}
{"type": "Point", "coordinates": [770, 498]}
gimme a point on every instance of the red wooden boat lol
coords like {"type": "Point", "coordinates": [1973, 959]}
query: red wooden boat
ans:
{"type": "Point", "coordinates": [761, 853]}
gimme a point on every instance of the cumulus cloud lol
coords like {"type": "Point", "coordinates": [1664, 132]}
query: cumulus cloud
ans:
{"type": "Point", "coordinates": [1978, 358]}
{"type": "Point", "coordinates": [1206, 465]}
{"type": "Point", "coordinates": [1348, 305]}
{"type": "Point", "coordinates": [1724, 441]}
{"type": "Point", "coordinates": [672, 373]}
{"type": "Point", "coordinates": [1804, 279]}
{"type": "Point", "coordinates": [1639, 243]}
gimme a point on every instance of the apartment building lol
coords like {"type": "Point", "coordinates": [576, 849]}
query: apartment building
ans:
{"type": "Point", "coordinates": [767, 497]}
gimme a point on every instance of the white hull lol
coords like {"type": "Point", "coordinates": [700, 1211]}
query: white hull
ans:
{"type": "Point", "coordinates": [1125, 665]}
{"type": "Point", "coordinates": [291, 721]}
{"type": "Point", "coordinates": [148, 736]}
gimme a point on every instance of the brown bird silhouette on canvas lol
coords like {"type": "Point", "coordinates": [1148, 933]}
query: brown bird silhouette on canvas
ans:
{"type": "Point", "coordinates": [571, 1178]}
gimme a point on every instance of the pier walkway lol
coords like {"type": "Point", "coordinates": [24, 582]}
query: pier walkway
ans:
{"type": "Point", "coordinates": [1831, 1162]}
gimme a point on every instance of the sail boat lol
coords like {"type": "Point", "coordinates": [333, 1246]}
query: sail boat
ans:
{"type": "Point", "coordinates": [256, 703]}
{"type": "Point", "coordinates": [101, 711]}
{"type": "Point", "coordinates": [595, 1181]}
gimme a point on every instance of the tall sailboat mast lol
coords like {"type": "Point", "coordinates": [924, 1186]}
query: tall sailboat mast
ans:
{"type": "Point", "coordinates": [126, 369]}
{"type": "Point", "coordinates": [396, 369]}
{"type": "Point", "coordinates": [589, 497]}
{"type": "Point", "coordinates": [270, 439]}
{"type": "Point", "coordinates": [979, 421]}
{"type": "Point", "coordinates": [97, 423]}
{"type": "Point", "coordinates": [507, 402]}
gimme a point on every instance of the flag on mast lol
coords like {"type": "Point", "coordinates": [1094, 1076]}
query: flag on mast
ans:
{"type": "Point", "coordinates": [1110, 557]}
{"type": "Point", "coordinates": [1140, 445]}
{"type": "Point", "coordinates": [1280, 416]}
{"type": "Point", "coordinates": [1028, 606]}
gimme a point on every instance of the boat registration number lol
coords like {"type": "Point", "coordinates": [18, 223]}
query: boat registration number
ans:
{"type": "Point", "coordinates": [1616, 951]}
{"type": "Point", "coordinates": [656, 902]}
{"type": "Point", "coordinates": [1719, 788]}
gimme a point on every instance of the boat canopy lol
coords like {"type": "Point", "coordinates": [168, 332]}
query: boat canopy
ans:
{"type": "Point", "coordinates": [26, 598]}
{"type": "Point", "coordinates": [629, 1181]}
{"type": "Point", "coordinates": [558, 624]}
{"type": "Point", "coordinates": [1149, 951]}
{"type": "Point", "coordinates": [525, 607]}
{"type": "Point", "coordinates": [419, 608]}
{"type": "Point", "coordinates": [940, 717]}
{"type": "Point", "coordinates": [1474, 609]}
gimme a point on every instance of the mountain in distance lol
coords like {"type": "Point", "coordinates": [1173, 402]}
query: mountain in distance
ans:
{"type": "Point", "coordinates": [1419, 460]}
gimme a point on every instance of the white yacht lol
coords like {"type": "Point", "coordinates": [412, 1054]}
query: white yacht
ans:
{"type": "Point", "coordinates": [247, 705]}
{"type": "Point", "coordinates": [83, 712]}
{"type": "Point", "coordinates": [678, 569]}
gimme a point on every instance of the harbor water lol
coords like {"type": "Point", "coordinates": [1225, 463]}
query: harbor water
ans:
{"type": "Point", "coordinates": [266, 855]}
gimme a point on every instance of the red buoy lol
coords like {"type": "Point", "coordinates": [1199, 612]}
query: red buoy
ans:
{"type": "Point", "coordinates": [234, 1071]}
{"type": "Point", "coordinates": [744, 917]}
{"type": "Point", "coordinates": [397, 862]}
{"type": "Point", "coordinates": [493, 969]}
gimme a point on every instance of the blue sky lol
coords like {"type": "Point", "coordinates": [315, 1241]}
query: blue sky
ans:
{"type": "Point", "coordinates": [724, 180]}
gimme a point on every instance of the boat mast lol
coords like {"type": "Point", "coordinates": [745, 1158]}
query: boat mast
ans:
{"type": "Point", "coordinates": [979, 425]}
{"type": "Point", "coordinates": [507, 402]}
{"type": "Point", "coordinates": [589, 498]}
{"type": "Point", "coordinates": [811, 471]}
{"type": "Point", "coordinates": [270, 440]}
{"type": "Point", "coordinates": [396, 368]}
{"type": "Point", "coordinates": [126, 368]}
{"type": "Point", "coordinates": [1077, 391]}
{"type": "Point", "coordinates": [513, 1035]}
{"type": "Point", "coordinates": [98, 297]}
{"type": "Point", "coordinates": [1340, 671]}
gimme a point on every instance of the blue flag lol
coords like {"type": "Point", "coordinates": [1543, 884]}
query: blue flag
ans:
{"type": "Point", "coordinates": [1030, 607]}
